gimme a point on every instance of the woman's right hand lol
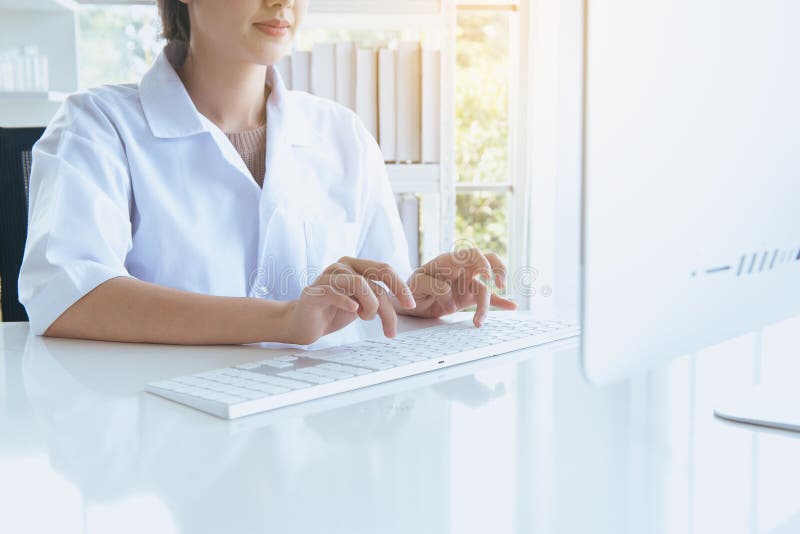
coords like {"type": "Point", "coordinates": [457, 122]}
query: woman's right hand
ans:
{"type": "Point", "coordinates": [345, 291]}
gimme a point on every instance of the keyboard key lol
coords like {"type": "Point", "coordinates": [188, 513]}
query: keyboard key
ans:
{"type": "Point", "coordinates": [252, 394]}
{"type": "Point", "coordinates": [376, 365]}
{"type": "Point", "coordinates": [186, 380]}
{"type": "Point", "coordinates": [248, 365]}
{"type": "Point", "coordinates": [237, 391]}
{"type": "Point", "coordinates": [226, 379]}
{"type": "Point", "coordinates": [306, 377]}
{"type": "Point", "coordinates": [336, 375]}
{"type": "Point", "coordinates": [324, 353]}
{"type": "Point", "coordinates": [277, 364]}
{"type": "Point", "coordinates": [242, 374]}
{"type": "Point", "coordinates": [345, 368]}
{"type": "Point", "coordinates": [258, 377]}
{"type": "Point", "coordinates": [212, 375]}
{"type": "Point", "coordinates": [270, 389]}
{"type": "Point", "coordinates": [286, 382]}
{"type": "Point", "coordinates": [285, 358]}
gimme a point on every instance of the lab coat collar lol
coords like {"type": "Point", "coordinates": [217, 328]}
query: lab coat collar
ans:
{"type": "Point", "coordinates": [167, 106]}
{"type": "Point", "coordinates": [170, 112]}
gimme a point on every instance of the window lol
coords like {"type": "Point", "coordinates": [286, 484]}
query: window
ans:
{"type": "Point", "coordinates": [116, 43]}
{"type": "Point", "coordinates": [483, 84]}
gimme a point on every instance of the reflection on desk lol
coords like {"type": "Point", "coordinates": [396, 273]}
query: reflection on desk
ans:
{"type": "Point", "coordinates": [516, 443]}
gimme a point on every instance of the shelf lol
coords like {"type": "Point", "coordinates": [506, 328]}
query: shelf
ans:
{"type": "Point", "coordinates": [38, 5]}
{"type": "Point", "coordinates": [28, 96]}
{"type": "Point", "coordinates": [414, 178]}
{"type": "Point", "coordinates": [29, 108]}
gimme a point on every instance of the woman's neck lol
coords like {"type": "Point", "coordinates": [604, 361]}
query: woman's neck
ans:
{"type": "Point", "coordinates": [231, 94]}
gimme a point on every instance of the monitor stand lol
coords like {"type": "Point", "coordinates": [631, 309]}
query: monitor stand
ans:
{"type": "Point", "coordinates": [763, 406]}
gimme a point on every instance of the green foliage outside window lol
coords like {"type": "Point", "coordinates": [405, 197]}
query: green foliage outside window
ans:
{"type": "Point", "coordinates": [482, 89]}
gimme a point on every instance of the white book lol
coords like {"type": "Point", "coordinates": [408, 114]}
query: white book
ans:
{"type": "Point", "coordinates": [409, 109]}
{"type": "Point", "coordinates": [431, 105]}
{"type": "Point", "coordinates": [367, 89]}
{"type": "Point", "coordinates": [284, 67]}
{"type": "Point", "coordinates": [387, 103]}
{"type": "Point", "coordinates": [323, 70]}
{"type": "Point", "coordinates": [301, 71]}
{"type": "Point", "coordinates": [346, 74]}
{"type": "Point", "coordinates": [408, 208]}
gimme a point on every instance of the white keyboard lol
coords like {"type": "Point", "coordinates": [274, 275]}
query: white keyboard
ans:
{"type": "Point", "coordinates": [306, 375]}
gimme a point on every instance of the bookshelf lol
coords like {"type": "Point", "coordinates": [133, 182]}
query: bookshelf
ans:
{"type": "Point", "coordinates": [434, 183]}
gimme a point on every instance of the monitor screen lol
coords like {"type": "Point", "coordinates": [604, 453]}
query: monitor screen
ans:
{"type": "Point", "coordinates": [691, 176]}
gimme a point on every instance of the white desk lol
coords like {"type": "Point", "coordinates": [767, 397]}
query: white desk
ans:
{"type": "Point", "coordinates": [518, 443]}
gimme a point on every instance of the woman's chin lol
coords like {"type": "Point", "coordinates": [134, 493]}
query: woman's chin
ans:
{"type": "Point", "coordinates": [270, 55]}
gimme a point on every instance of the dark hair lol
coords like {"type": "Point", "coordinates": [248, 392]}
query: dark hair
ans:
{"type": "Point", "coordinates": [175, 20]}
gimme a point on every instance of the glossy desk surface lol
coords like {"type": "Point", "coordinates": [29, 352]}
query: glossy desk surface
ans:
{"type": "Point", "coordinates": [516, 443]}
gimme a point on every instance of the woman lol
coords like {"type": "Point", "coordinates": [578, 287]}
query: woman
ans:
{"type": "Point", "coordinates": [149, 223]}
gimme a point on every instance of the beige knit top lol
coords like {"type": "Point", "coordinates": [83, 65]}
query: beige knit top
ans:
{"type": "Point", "coordinates": [252, 147]}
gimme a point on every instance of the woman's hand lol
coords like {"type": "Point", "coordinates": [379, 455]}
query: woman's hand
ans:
{"type": "Point", "coordinates": [344, 291]}
{"type": "Point", "coordinates": [450, 282]}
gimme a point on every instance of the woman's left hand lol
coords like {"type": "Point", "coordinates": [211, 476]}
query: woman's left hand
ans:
{"type": "Point", "coordinates": [450, 282]}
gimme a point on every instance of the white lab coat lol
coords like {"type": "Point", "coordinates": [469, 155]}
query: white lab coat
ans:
{"type": "Point", "coordinates": [132, 180]}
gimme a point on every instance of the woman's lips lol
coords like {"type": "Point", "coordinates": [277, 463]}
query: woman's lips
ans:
{"type": "Point", "coordinates": [274, 28]}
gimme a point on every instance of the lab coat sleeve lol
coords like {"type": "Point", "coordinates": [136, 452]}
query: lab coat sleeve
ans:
{"type": "Point", "coordinates": [79, 229]}
{"type": "Point", "coordinates": [384, 239]}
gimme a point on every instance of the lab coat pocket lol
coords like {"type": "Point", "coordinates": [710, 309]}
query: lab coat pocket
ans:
{"type": "Point", "coordinates": [327, 241]}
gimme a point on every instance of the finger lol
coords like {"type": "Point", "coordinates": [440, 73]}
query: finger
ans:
{"type": "Point", "coordinates": [357, 287]}
{"type": "Point", "coordinates": [447, 300]}
{"type": "Point", "coordinates": [333, 297]}
{"type": "Point", "coordinates": [472, 264]}
{"type": "Point", "coordinates": [464, 263]}
{"type": "Point", "coordinates": [483, 297]}
{"type": "Point", "coordinates": [498, 268]}
{"type": "Point", "coordinates": [424, 286]}
{"type": "Point", "coordinates": [385, 311]}
{"type": "Point", "coordinates": [383, 272]}
{"type": "Point", "coordinates": [499, 302]}
{"type": "Point", "coordinates": [339, 267]}
{"type": "Point", "coordinates": [480, 264]}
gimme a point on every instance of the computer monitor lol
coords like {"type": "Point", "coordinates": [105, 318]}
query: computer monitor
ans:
{"type": "Point", "coordinates": [691, 177]}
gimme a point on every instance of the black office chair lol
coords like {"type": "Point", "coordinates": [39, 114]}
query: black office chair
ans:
{"type": "Point", "coordinates": [15, 171]}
